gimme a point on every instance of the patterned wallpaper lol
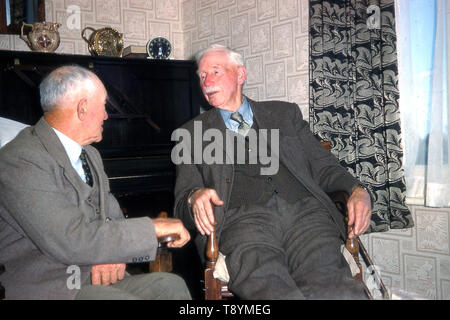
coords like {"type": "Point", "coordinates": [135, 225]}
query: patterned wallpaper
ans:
{"type": "Point", "coordinates": [138, 20]}
{"type": "Point", "coordinates": [273, 37]}
{"type": "Point", "coordinates": [415, 263]}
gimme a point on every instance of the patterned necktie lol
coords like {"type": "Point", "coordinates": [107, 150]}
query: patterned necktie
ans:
{"type": "Point", "coordinates": [85, 165]}
{"type": "Point", "coordinates": [243, 126]}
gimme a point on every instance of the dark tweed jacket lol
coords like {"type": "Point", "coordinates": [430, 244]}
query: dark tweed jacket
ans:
{"type": "Point", "coordinates": [315, 167]}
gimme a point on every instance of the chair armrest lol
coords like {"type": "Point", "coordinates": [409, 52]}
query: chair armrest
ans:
{"type": "Point", "coordinates": [163, 241]}
{"type": "Point", "coordinates": [213, 288]}
{"type": "Point", "coordinates": [163, 259]}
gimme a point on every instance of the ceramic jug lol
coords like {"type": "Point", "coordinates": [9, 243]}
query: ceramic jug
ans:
{"type": "Point", "coordinates": [43, 37]}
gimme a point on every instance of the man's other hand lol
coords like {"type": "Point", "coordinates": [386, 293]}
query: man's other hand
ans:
{"type": "Point", "coordinates": [171, 226]}
{"type": "Point", "coordinates": [106, 274]}
{"type": "Point", "coordinates": [359, 211]}
{"type": "Point", "coordinates": [202, 203]}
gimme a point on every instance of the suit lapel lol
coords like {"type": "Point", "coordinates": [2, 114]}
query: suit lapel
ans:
{"type": "Point", "coordinates": [263, 115]}
{"type": "Point", "coordinates": [55, 148]}
{"type": "Point", "coordinates": [215, 121]}
{"type": "Point", "coordinates": [289, 145]}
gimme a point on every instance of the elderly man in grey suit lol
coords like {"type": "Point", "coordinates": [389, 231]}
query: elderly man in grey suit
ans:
{"type": "Point", "coordinates": [62, 232]}
{"type": "Point", "coordinates": [278, 229]}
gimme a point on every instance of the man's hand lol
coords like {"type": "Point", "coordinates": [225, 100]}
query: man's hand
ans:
{"type": "Point", "coordinates": [106, 274]}
{"type": "Point", "coordinates": [202, 202]}
{"type": "Point", "coordinates": [171, 226]}
{"type": "Point", "coordinates": [359, 211]}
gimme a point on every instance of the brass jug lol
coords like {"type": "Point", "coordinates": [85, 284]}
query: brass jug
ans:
{"type": "Point", "coordinates": [43, 37]}
{"type": "Point", "coordinates": [104, 42]}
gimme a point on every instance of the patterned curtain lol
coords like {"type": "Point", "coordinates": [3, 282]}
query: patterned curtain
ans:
{"type": "Point", "coordinates": [354, 98]}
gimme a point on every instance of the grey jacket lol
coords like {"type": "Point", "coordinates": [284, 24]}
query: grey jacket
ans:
{"type": "Point", "coordinates": [315, 167]}
{"type": "Point", "coordinates": [49, 221]}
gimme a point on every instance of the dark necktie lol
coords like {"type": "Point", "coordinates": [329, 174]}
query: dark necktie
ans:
{"type": "Point", "coordinates": [243, 126]}
{"type": "Point", "coordinates": [86, 169]}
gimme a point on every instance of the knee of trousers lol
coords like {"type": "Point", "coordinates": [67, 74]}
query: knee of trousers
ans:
{"type": "Point", "coordinates": [174, 283]}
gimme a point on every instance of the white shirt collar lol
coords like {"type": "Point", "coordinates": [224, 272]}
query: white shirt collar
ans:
{"type": "Point", "coordinates": [73, 149]}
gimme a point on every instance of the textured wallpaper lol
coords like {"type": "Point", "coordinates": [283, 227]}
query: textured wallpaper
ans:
{"type": "Point", "coordinates": [138, 20]}
{"type": "Point", "coordinates": [415, 263]}
{"type": "Point", "coordinates": [273, 37]}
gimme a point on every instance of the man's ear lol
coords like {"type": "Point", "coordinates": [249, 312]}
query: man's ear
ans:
{"type": "Point", "coordinates": [82, 109]}
{"type": "Point", "coordinates": [242, 74]}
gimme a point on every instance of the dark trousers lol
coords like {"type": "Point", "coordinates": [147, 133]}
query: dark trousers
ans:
{"type": "Point", "coordinates": [286, 251]}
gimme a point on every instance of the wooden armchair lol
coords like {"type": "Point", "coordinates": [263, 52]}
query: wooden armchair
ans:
{"type": "Point", "coordinates": [216, 289]}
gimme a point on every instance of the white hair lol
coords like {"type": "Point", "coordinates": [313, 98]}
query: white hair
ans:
{"type": "Point", "coordinates": [234, 56]}
{"type": "Point", "coordinates": [61, 82]}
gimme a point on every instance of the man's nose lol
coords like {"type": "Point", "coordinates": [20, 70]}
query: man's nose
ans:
{"type": "Point", "coordinates": [209, 80]}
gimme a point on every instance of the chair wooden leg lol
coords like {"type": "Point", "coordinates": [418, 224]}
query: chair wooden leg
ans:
{"type": "Point", "coordinates": [213, 287]}
{"type": "Point", "coordinates": [353, 247]}
{"type": "Point", "coordinates": [162, 262]}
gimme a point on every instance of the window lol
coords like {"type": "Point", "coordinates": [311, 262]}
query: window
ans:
{"type": "Point", "coordinates": [422, 56]}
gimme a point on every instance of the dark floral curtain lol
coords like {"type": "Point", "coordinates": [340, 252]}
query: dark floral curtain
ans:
{"type": "Point", "coordinates": [354, 98]}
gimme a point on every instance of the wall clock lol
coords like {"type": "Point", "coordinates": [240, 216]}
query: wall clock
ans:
{"type": "Point", "coordinates": [159, 48]}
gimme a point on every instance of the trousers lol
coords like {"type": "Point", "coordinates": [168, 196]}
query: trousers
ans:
{"type": "Point", "coordinates": [149, 286]}
{"type": "Point", "coordinates": [281, 250]}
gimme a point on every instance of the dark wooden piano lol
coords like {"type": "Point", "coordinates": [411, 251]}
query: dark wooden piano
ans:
{"type": "Point", "coordinates": [147, 100]}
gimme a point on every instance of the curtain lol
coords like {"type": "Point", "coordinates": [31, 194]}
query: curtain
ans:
{"type": "Point", "coordinates": [354, 99]}
{"type": "Point", "coordinates": [423, 27]}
